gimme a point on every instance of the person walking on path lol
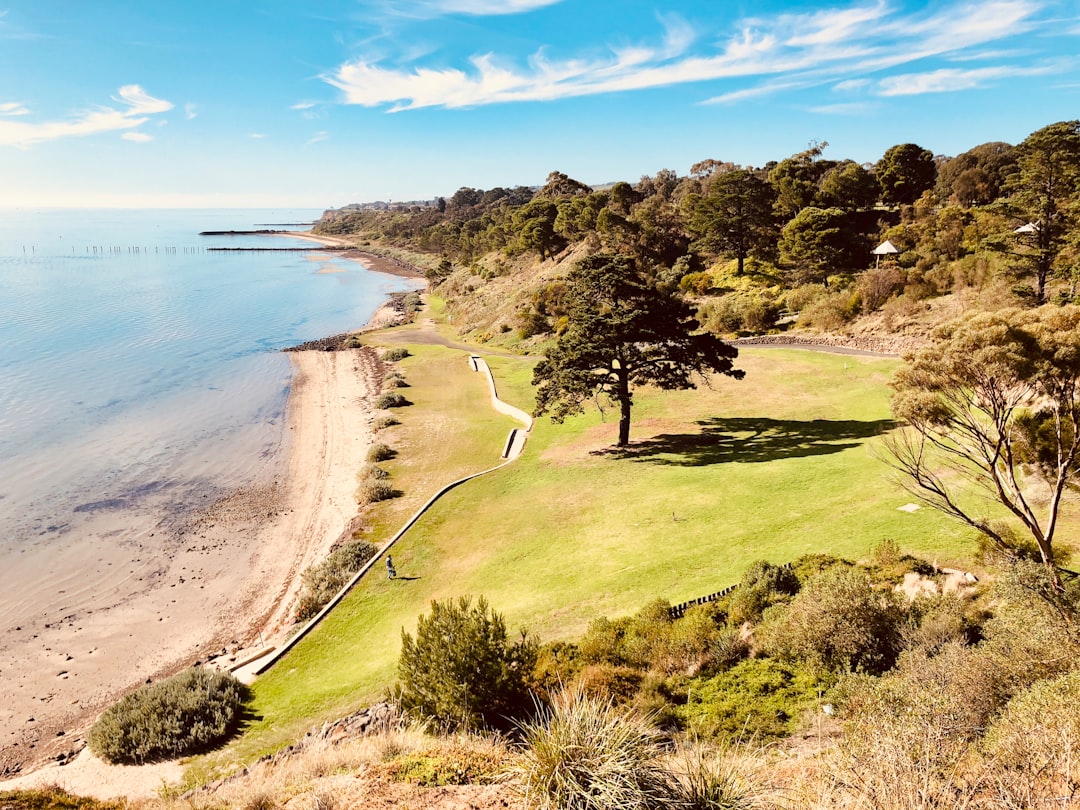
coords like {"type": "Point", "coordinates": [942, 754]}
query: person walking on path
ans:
{"type": "Point", "coordinates": [391, 572]}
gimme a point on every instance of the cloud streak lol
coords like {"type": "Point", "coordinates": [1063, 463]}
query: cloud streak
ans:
{"type": "Point", "coordinates": [134, 106]}
{"type": "Point", "coordinates": [759, 55]}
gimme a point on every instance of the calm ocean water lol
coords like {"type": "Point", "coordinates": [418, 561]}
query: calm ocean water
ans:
{"type": "Point", "coordinates": [125, 372]}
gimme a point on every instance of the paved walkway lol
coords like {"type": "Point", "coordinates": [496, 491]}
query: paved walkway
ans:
{"type": "Point", "coordinates": [248, 670]}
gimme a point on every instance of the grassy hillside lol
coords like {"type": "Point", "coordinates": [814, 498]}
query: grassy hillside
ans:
{"type": "Point", "coordinates": [771, 467]}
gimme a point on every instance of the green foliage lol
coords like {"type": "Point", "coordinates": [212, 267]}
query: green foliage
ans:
{"type": "Point", "coordinates": [393, 354]}
{"type": "Point", "coordinates": [962, 396]}
{"type": "Point", "coordinates": [735, 216]}
{"type": "Point", "coordinates": [185, 714]}
{"type": "Point", "coordinates": [821, 242]}
{"type": "Point", "coordinates": [759, 699]}
{"type": "Point", "coordinates": [54, 798]}
{"type": "Point", "coordinates": [1033, 633]}
{"type": "Point", "coordinates": [391, 399]}
{"type": "Point", "coordinates": [837, 621]}
{"type": "Point", "coordinates": [762, 585]}
{"type": "Point", "coordinates": [447, 765]}
{"type": "Point", "coordinates": [622, 332]}
{"type": "Point", "coordinates": [740, 312]}
{"type": "Point", "coordinates": [832, 312]}
{"type": "Point", "coordinates": [383, 422]}
{"type": "Point", "coordinates": [904, 172]}
{"type": "Point", "coordinates": [584, 753]}
{"type": "Point", "coordinates": [461, 670]}
{"type": "Point", "coordinates": [323, 581]}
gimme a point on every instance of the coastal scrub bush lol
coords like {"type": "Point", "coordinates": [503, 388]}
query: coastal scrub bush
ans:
{"type": "Point", "coordinates": [390, 399]}
{"type": "Point", "coordinates": [461, 670]}
{"type": "Point", "coordinates": [759, 698]}
{"type": "Point", "coordinates": [383, 422]}
{"type": "Point", "coordinates": [321, 582]}
{"type": "Point", "coordinates": [1035, 744]}
{"type": "Point", "coordinates": [763, 584]}
{"type": "Point", "coordinates": [837, 621]}
{"type": "Point", "coordinates": [380, 452]}
{"type": "Point", "coordinates": [373, 490]}
{"type": "Point", "coordinates": [393, 354]}
{"type": "Point", "coordinates": [185, 714]}
{"type": "Point", "coordinates": [585, 753]}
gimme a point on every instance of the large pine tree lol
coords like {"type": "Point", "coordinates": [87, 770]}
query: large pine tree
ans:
{"type": "Point", "coordinates": [623, 331]}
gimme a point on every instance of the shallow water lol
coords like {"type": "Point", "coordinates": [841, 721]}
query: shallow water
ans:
{"type": "Point", "coordinates": [136, 365]}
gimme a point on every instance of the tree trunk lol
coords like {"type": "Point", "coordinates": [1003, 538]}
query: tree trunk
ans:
{"type": "Point", "coordinates": [623, 394]}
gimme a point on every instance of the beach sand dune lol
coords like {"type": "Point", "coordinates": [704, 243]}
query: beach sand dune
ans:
{"type": "Point", "coordinates": [134, 596]}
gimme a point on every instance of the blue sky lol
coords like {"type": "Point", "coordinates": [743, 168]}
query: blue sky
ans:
{"type": "Point", "coordinates": [181, 103]}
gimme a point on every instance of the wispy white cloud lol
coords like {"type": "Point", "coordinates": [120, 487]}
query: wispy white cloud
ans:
{"type": "Point", "coordinates": [257, 136]}
{"type": "Point", "coordinates": [13, 108]}
{"type": "Point", "coordinates": [303, 105]}
{"type": "Point", "coordinates": [850, 85]}
{"type": "Point", "coordinates": [318, 137]}
{"type": "Point", "coordinates": [475, 8]}
{"type": "Point", "coordinates": [135, 106]}
{"type": "Point", "coordinates": [190, 111]}
{"type": "Point", "coordinates": [949, 80]}
{"type": "Point", "coordinates": [850, 108]}
{"type": "Point", "coordinates": [764, 55]}
{"type": "Point", "coordinates": [137, 137]}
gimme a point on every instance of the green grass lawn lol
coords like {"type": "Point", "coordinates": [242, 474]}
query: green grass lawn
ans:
{"type": "Point", "coordinates": [771, 467]}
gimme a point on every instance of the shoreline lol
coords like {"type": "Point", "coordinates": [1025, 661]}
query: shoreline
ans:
{"type": "Point", "coordinates": [219, 583]}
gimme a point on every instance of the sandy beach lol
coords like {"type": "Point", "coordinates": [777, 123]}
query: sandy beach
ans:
{"type": "Point", "coordinates": [136, 596]}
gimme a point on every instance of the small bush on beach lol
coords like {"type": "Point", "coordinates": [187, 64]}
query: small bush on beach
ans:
{"type": "Point", "coordinates": [372, 471]}
{"type": "Point", "coordinates": [380, 452]}
{"type": "Point", "coordinates": [321, 582]}
{"type": "Point", "coordinates": [390, 399]}
{"type": "Point", "coordinates": [392, 355]}
{"type": "Point", "coordinates": [185, 714]}
{"type": "Point", "coordinates": [383, 422]}
{"type": "Point", "coordinates": [394, 381]}
{"type": "Point", "coordinates": [55, 798]}
{"type": "Point", "coordinates": [373, 490]}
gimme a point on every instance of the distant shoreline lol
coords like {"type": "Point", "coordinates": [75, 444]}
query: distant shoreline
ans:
{"type": "Point", "coordinates": [226, 576]}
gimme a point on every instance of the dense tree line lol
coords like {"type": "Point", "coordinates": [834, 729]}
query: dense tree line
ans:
{"type": "Point", "coordinates": [805, 219]}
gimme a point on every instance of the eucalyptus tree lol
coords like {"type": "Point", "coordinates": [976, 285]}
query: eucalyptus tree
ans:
{"type": "Point", "coordinates": [994, 404]}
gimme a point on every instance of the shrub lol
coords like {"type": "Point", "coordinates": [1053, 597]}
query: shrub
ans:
{"type": "Point", "coordinates": [322, 582]}
{"type": "Point", "coordinates": [587, 754]}
{"type": "Point", "coordinates": [831, 312]}
{"type": "Point", "coordinates": [452, 764]}
{"type": "Point", "coordinates": [352, 342]}
{"type": "Point", "coordinates": [185, 714]}
{"type": "Point", "coordinates": [373, 490]}
{"type": "Point", "coordinates": [394, 381]}
{"type": "Point", "coordinates": [762, 585]}
{"type": "Point", "coordinates": [461, 670]}
{"type": "Point", "coordinates": [838, 621]}
{"type": "Point", "coordinates": [801, 297]}
{"type": "Point", "coordinates": [383, 422]}
{"type": "Point", "coordinates": [390, 399]}
{"type": "Point", "coordinates": [380, 452]}
{"type": "Point", "coordinates": [739, 312]}
{"type": "Point", "coordinates": [760, 698]}
{"type": "Point", "coordinates": [55, 798]}
{"type": "Point", "coordinates": [878, 284]}
{"type": "Point", "coordinates": [1035, 744]}
{"type": "Point", "coordinates": [373, 472]}
{"type": "Point", "coordinates": [393, 354]}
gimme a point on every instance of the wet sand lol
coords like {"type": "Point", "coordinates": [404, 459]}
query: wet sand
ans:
{"type": "Point", "coordinates": [138, 593]}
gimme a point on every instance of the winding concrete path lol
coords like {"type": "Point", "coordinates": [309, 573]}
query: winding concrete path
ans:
{"type": "Point", "coordinates": [248, 670]}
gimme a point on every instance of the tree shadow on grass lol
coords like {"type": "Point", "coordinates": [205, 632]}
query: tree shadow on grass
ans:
{"type": "Point", "coordinates": [750, 439]}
